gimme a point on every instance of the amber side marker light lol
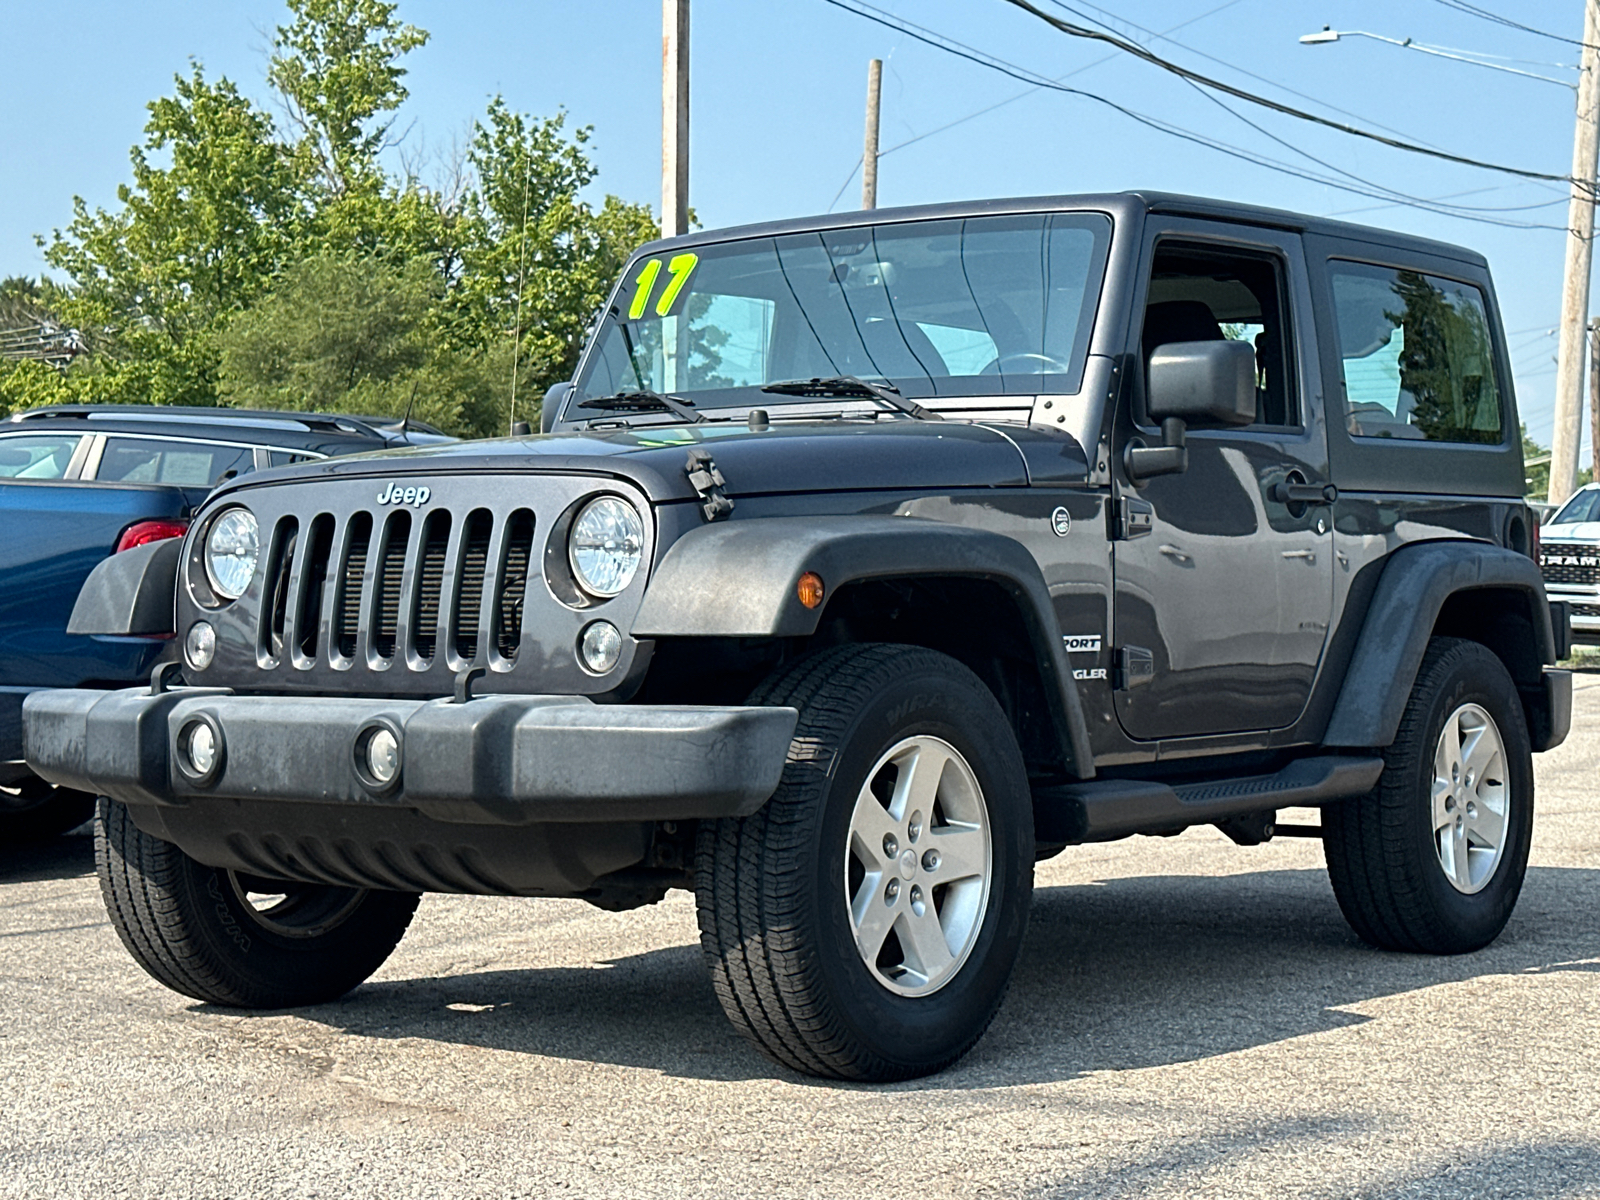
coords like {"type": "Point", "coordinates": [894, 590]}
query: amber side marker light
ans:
{"type": "Point", "coordinates": [809, 589]}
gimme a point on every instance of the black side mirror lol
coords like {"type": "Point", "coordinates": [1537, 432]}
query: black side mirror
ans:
{"type": "Point", "coordinates": [1214, 382]}
{"type": "Point", "coordinates": [1204, 381]}
{"type": "Point", "coordinates": [553, 400]}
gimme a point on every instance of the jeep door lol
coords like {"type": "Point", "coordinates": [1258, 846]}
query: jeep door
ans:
{"type": "Point", "coordinates": [1223, 587]}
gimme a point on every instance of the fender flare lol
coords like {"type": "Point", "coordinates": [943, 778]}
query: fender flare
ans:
{"type": "Point", "coordinates": [132, 593]}
{"type": "Point", "coordinates": [1416, 582]}
{"type": "Point", "coordinates": [738, 579]}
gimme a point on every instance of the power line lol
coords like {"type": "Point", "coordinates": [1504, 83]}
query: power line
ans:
{"type": "Point", "coordinates": [1182, 72]}
{"type": "Point", "coordinates": [1213, 58]}
{"type": "Point", "coordinates": [960, 50]}
{"type": "Point", "coordinates": [1483, 14]}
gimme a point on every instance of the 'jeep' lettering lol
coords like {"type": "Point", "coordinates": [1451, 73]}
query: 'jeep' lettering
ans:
{"type": "Point", "coordinates": [393, 493]}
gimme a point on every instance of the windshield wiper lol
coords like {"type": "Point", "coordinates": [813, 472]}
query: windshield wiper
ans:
{"type": "Point", "coordinates": [844, 386]}
{"type": "Point", "coordinates": [643, 400]}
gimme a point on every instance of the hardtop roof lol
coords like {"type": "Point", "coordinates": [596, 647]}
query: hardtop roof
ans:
{"type": "Point", "coordinates": [327, 432]}
{"type": "Point", "coordinates": [1117, 204]}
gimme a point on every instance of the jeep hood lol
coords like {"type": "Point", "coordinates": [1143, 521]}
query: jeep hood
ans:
{"type": "Point", "coordinates": [832, 456]}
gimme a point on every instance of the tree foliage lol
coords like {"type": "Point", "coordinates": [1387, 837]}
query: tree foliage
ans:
{"type": "Point", "coordinates": [257, 261]}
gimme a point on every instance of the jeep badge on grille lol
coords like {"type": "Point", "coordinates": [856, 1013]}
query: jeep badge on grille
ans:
{"type": "Point", "coordinates": [395, 494]}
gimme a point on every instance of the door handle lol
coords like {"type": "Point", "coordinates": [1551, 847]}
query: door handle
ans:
{"type": "Point", "coordinates": [1172, 552]}
{"type": "Point", "coordinates": [1285, 492]}
{"type": "Point", "coordinates": [1309, 555]}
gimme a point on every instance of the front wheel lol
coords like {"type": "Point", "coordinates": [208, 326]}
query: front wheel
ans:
{"type": "Point", "coordinates": [1433, 859]}
{"type": "Point", "coordinates": [864, 924]}
{"type": "Point", "coordinates": [228, 938]}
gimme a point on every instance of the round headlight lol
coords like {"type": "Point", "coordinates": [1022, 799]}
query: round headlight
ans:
{"type": "Point", "coordinates": [605, 545]}
{"type": "Point", "coordinates": [233, 546]}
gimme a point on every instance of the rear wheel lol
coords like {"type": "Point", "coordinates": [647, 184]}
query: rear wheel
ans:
{"type": "Point", "coordinates": [864, 924]}
{"type": "Point", "coordinates": [33, 810]}
{"type": "Point", "coordinates": [1433, 859]}
{"type": "Point", "coordinates": [229, 938]}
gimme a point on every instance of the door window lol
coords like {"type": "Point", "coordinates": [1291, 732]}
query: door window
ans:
{"type": "Point", "coordinates": [163, 460]}
{"type": "Point", "coordinates": [1201, 294]}
{"type": "Point", "coordinates": [1417, 356]}
{"type": "Point", "coordinates": [36, 456]}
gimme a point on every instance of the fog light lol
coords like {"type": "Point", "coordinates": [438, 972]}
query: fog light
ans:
{"type": "Point", "coordinates": [383, 756]}
{"type": "Point", "coordinates": [600, 646]}
{"type": "Point", "coordinates": [199, 750]}
{"type": "Point", "coordinates": [200, 647]}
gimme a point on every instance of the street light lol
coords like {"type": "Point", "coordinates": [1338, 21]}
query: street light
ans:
{"type": "Point", "coordinates": [1328, 34]}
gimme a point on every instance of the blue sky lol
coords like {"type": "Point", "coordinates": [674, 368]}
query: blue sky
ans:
{"type": "Point", "coordinates": [777, 109]}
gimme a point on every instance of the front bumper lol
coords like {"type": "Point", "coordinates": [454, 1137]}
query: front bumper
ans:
{"type": "Point", "coordinates": [494, 760]}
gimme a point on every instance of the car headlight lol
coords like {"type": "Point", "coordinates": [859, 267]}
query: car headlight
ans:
{"type": "Point", "coordinates": [233, 547]}
{"type": "Point", "coordinates": [605, 545]}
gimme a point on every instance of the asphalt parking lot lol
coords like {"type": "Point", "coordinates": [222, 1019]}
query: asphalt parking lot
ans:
{"type": "Point", "coordinates": [1189, 1018]}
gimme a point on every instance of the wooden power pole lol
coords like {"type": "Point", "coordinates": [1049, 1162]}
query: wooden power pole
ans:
{"type": "Point", "coordinates": [675, 117]}
{"type": "Point", "coordinates": [869, 155]}
{"type": "Point", "coordinates": [1575, 288]}
{"type": "Point", "coordinates": [1594, 399]}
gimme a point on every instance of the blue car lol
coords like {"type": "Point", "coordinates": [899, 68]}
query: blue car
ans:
{"type": "Point", "coordinates": [80, 483]}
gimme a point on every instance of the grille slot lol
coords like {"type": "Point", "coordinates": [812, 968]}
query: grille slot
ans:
{"type": "Point", "coordinates": [430, 582]}
{"type": "Point", "coordinates": [347, 608]}
{"type": "Point", "coordinates": [512, 586]}
{"type": "Point", "coordinates": [469, 588]}
{"type": "Point", "coordinates": [280, 568]}
{"type": "Point", "coordinates": [313, 581]}
{"type": "Point", "coordinates": [391, 572]}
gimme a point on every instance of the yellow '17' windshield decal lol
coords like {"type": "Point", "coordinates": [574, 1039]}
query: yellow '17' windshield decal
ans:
{"type": "Point", "coordinates": [642, 287]}
{"type": "Point", "coordinates": [678, 270]}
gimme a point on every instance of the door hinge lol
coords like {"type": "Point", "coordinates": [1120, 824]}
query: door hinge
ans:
{"type": "Point", "coordinates": [1135, 518]}
{"type": "Point", "coordinates": [708, 483]}
{"type": "Point", "coordinates": [1135, 665]}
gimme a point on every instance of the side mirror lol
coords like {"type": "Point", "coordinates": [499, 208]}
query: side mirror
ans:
{"type": "Point", "coordinates": [1214, 382]}
{"type": "Point", "coordinates": [1204, 381]}
{"type": "Point", "coordinates": [553, 399]}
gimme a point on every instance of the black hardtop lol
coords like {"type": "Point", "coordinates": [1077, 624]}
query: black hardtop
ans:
{"type": "Point", "coordinates": [323, 433]}
{"type": "Point", "coordinates": [1119, 205]}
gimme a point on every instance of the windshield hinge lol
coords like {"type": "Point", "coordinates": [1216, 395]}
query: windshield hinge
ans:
{"type": "Point", "coordinates": [1135, 518]}
{"type": "Point", "coordinates": [708, 483]}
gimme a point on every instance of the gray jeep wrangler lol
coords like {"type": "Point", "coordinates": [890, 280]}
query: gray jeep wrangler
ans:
{"type": "Point", "coordinates": [866, 561]}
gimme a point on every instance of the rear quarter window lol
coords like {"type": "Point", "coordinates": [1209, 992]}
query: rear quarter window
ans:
{"type": "Point", "coordinates": [1416, 356]}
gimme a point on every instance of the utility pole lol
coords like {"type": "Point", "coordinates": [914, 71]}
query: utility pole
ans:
{"type": "Point", "coordinates": [1575, 288]}
{"type": "Point", "coordinates": [869, 156]}
{"type": "Point", "coordinates": [1594, 399]}
{"type": "Point", "coordinates": [675, 117]}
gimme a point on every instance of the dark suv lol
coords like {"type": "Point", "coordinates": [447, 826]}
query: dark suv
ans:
{"type": "Point", "coordinates": [867, 560]}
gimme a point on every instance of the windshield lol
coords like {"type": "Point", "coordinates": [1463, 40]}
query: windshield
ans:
{"type": "Point", "coordinates": [1585, 506]}
{"type": "Point", "coordinates": [968, 307]}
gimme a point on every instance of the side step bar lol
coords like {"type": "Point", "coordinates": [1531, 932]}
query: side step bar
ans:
{"type": "Point", "coordinates": [1104, 809]}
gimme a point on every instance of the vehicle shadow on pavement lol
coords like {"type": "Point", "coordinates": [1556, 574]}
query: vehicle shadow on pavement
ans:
{"type": "Point", "coordinates": [70, 857]}
{"type": "Point", "coordinates": [1155, 970]}
{"type": "Point", "coordinates": [1121, 974]}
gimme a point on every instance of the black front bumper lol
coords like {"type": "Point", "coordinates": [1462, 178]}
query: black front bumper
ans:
{"type": "Point", "coordinates": [495, 760]}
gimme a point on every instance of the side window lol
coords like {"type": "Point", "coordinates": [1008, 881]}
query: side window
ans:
{"type": "Point", "coordinates": [1201, 294]}
{"type": "Point", "coordinates": [161, 460]}
{"type": "Point", "coordinates": [283, 458]}
{"type": "Point", "coordinates": [42, 456]}
{"type": "Point", "coordinates": [1417, 356]}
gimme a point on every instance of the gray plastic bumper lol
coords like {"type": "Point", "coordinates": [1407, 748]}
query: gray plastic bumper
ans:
{"type": "Point", "coordinates": [509, 760]}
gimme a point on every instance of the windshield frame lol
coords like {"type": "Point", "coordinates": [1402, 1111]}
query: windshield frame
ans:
{"type": "Point", "coordinates": [1100, 222]}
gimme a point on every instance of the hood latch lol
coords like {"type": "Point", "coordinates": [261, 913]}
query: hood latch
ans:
{"type": "Point", "coordinates": [708, 483]}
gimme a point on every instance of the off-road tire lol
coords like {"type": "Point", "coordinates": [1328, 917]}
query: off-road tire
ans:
{"type": "Point", "coordinates": [33, 811]}
{"type": "Point", "coordinates": [770, 888]}
{"type": "Point", "coordinates": [1386, 873]}
{"type": "Point", "coordinates": [185, 924]}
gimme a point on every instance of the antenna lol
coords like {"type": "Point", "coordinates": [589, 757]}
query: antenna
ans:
{"type": "Point", "coordinates": [522, 278]}
{"type": "Point", "coordinates": [405, 425]}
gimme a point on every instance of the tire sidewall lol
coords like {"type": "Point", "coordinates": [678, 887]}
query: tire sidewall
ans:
{"type": "Point", "coordinates": [1474, 676]}
{"type": "Point", "coordinates": [954, 706]}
